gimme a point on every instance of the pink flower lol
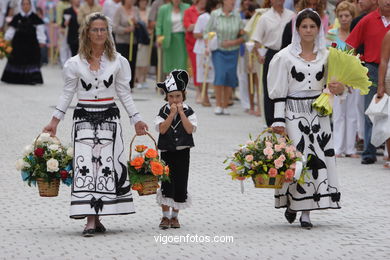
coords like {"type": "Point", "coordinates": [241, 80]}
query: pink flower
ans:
{"type": "Point", "coordinates": [278, 163]}
{"type": "Point", "coordinates": [250, 142]}
{"type": "Point", "coordinates": [249, 158]}
{"type": "Point", "coordinates": [272, 172]}
{"type": "Point", "coordinates": [269, 157]}
{"type": "Point", "coordinates": [292, 166]}
{"type": "Point", "coordinates": [268, 144]}
{"type": "Point", "coordinates": [233, 167]}
{"type": "Point", "coordinates": [278, 147]}
{"type": "Point", "coordinates": [268, 151]}
{"type": "Point", "coordinates": [283, 145]}
{"type": "Point", "coordinates": [290, 149]}
{"type": "Point", "coordinates": [291, 155]}
{"type": "Point", "coordinates": [298, 154]}
{"type": "Point", "coordinates": [282, 158]}
{"type": "Point", "coordinates": [281, 140]}
{"type": "Point", "coordinates": [289, 174]}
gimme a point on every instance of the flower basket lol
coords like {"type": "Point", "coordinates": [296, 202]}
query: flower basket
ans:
{"type": "Point", "coordinates": [46, 161]}
{"type": "Point", "coordinates": [48, 189]}
{"type": "Point", "coordinates": [146, 169]}
{"type": "Point", "coordinates": [5, 47]}
{"type": "Point", "coordinates": [268, 160]}
{"type": "Point", "coordinates": [271, 182]}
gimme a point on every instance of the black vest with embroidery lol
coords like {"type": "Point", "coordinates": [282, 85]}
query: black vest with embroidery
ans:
{"type": "Point", "coordinates": [176, 134]}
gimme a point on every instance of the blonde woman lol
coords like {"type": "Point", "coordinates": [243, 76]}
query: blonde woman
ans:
{"type": "Point", "coordinates": [98, 73]}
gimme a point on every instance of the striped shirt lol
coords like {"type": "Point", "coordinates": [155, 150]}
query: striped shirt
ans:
{"type": "Point", "coordinates": [227, 27]}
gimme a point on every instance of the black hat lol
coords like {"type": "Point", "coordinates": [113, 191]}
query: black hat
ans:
{"type": "Point", "coordinates": [177, 80]}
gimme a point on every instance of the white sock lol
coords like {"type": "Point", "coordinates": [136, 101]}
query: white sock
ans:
{"type": "Point", "coordinates": [166, 214]}
{"type": "Point", "coordinates": [305, 217]}
{"type": "Point", "coordinates": [174, 214]}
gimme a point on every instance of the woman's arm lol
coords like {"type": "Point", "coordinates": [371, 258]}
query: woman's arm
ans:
{"type": "Point", "coordinates": [383, 66]}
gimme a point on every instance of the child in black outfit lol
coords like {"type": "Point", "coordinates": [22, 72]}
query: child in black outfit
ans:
{"type": "Point", "coordinates": [175, 122]}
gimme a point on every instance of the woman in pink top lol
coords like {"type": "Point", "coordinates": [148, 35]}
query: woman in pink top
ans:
{"type": "Point", "coordinates": [190, 17]}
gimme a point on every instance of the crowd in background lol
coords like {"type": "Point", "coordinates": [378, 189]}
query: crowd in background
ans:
{"type": "Point", "coordinates": [161, 35]}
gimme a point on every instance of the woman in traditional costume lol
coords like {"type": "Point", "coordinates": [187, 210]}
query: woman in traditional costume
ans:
{"type": "Point", "coordinates": [296, 78]}
{"type": "Point", "coordinates": [27, 33]}
{"type": "Point", "coordinates": [100, 182]}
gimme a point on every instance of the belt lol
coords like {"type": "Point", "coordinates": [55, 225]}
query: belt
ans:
{"type": "Point", "coordinates": [97, 100]}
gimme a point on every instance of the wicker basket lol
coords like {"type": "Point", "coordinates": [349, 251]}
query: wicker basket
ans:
{"type": "Point", "coordinates": [270, 183]}
{"type": "Point", "coordinates": [149, 186]}
{"type": "Point", "coordinates": [48, 189]}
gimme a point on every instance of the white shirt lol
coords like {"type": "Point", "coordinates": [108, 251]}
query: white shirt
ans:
{"type": "Point", "coordinates": [269, 29]}
{"type": "Point", "coordinates": [77, 70]}
{"type": "Point", "coordinates": [385, 22]}
{"type": "Point", "coordinates": [284, 81]}
{"type": "Point", "coordinates": [109, 8]}
{"type": "Point", "coordinates": [177, 22]}
{"type": "Point", "coordinates": [200, 26]}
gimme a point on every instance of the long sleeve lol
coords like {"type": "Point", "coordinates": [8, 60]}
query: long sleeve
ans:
{"type": "Point", "coordinates": [122, 87]}
{"type": "Point", "coordinates": [9, 34]}
{"type": "Point", "coordinates": [71, 80]}
{"type": "Point", "coordinates": [160, 20]}
{"type": "Point", "coordinates": [41, 36]}
{"type": "Point", "coordinates": [118, 28]}
{"type": "Point", "coordinates": [278, 87]}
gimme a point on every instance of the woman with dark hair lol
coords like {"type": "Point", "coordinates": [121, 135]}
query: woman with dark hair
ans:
{"type": "Point", "coordinates": [101, 185]}
{"type": "Point", "coordinates": [70, 22]}
{"type": "Point", "coordinates": [296, 77]}
{"type": "Point", "coordinates": [27, 33]}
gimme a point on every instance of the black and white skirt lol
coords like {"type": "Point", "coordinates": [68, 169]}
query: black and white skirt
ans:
{"type": "Point", "coordinates": [101, 185]}
{"type": "Point", "coordinates": [312, 135]}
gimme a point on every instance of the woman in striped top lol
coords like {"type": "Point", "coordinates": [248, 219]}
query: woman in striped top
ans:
{"type": "Point", "coordinates": [229, 30]}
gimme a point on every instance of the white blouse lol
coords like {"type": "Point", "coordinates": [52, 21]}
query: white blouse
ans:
{"type": "Point", "coordinates": [292, 76]}
{"type": "Point", "coordinates": [112, 79]}
{"type": "Point", "coordinates": [200, 26]}
{"type": "Point", "coordinates": [177, 22]}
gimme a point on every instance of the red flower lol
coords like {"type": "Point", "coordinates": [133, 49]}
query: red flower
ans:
{"type": "Point", "coordinates": [64, 174]}
{"type": "Point", "coordinates": [334, 45]}
{"type": "Point", "coordinates": [272, 172]}
{"type": "Point", "coordinates": [39, 152]}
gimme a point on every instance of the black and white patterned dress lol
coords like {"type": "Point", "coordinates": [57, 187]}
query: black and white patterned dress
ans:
{"type": "Point", "coordinates": [100, 185]}
{"type": "Point", "coordinates": [294, 84]}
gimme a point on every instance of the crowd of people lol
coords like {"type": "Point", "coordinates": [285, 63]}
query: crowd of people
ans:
{"type": "Point", "coordinates": [272, 54]}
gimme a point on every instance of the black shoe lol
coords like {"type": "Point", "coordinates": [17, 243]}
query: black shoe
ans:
{"type": "Point", "coordinates": [100, 228]}
{"type": "Point", "coordinates": [305, 225]}
{"type": "Point", "coordinates": [89, 232]}
{"type": "Point", "coordinates": [290, 216]}
{"type": "Point", "coordinates": [368, 160]}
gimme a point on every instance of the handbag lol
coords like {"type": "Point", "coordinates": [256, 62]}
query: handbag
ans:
{"type": "Point", "coordinates": [378, 109]}
{"type": "Point", "coordinates": [142, 34]}
{"type": "Point", "coordinates": [379, 116]}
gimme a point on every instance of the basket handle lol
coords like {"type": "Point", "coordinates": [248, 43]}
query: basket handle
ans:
{"type": "Point", "coordinates": [132, 141]}
{"type": "Point", "coordinates": [36, 140]}
{"type": "Point", "coordinates": [269, 130]}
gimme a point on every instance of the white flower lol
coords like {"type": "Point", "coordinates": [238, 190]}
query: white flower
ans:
{"type": "Point", "coordinates": [21, 165]}
{"type": "Point", "coordinates": [55, 141]}
{"type": "Point", "coordinates": [54, 147]}
{"type": "Point", "coordinates": [28, 149]}
{"type": "Point", "coordinates": [69, 151]}
{"type": "Point", "coordinates": [52, 165]}
{"type": "Point", "coordinates": [44, 138]}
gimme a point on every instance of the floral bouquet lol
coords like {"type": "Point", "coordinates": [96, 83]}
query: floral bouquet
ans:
{"type": "Point", "coordinates": [346, 68]}
{"type": "Point", "coordinates": [46, 161]}
{"type": "Point", "coordinates": [269, 161]}
{"type": "Point", "coordinates": [146, 169]}
{"type": "Point", "coordinates": [5, 47]}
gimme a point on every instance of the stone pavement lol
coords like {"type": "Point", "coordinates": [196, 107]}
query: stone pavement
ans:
{"type": "Point", "coordinates": [32, 227]}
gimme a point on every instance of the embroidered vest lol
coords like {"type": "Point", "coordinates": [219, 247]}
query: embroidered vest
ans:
{"type": "Point", "coordinates": [176, 134]}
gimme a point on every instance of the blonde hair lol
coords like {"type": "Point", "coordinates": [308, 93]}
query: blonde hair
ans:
{"type": "Point", "coordinates": [85, 49]}
{"type": "Point", "coordinates": [346, 6]}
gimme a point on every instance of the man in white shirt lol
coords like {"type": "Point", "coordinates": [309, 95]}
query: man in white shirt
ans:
{"type": "Point", "coordinates": [109, 8]}
{"type": "Point", "coordinates": [268, 35]}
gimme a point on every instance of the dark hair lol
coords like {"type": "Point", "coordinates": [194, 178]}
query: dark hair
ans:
{"type": "Point", "coordinates": [211, 5]}
{"type": "Point", "coordinates": [182, 92]}
{"type": "Point", "coordinates": [308, 14]}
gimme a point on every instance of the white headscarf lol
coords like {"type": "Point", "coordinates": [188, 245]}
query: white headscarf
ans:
{"type": "Point", "coordinates": [319, 43]}
{"type": "Point", "coordinates": [20, 9]}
